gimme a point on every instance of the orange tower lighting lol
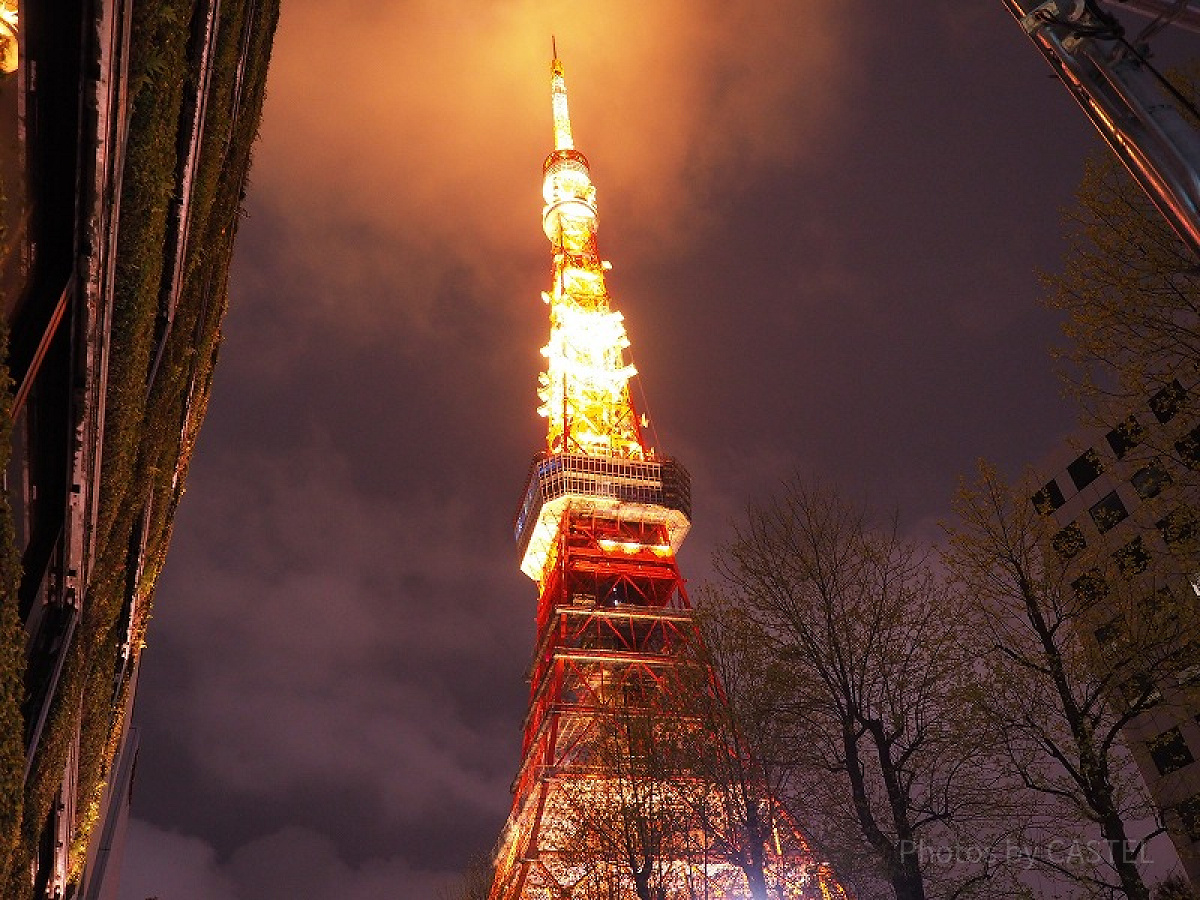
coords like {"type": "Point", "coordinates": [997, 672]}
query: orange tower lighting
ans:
{"type": "Point", "coordinates": [608, 803]}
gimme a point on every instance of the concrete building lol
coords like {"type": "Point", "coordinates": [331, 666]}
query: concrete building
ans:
{"type": "Point", "coordinates": [1123, 501]}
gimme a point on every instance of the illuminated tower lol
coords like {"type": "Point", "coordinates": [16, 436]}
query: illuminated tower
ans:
{"type": "Point", "coordinates": [608, 803]}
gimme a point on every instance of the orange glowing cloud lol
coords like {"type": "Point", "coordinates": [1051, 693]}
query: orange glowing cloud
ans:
{"type": "Point", "coordinates": [427, 122]}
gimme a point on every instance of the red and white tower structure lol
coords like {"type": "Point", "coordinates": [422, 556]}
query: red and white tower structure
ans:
{"type": "Point", "coordinates": [605, 796]}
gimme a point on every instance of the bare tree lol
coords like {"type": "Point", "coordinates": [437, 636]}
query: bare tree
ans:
{"type": "Point", "coordinates": [1072, 655]}
{"type": "Point", "coordinates": [744, 762]}
{"type": "Point", "coordinates": [475, 882]}
{"type": "Point", "coordinates": [864, 664]}
{"type": "Point", "coordinates": [631, 824]}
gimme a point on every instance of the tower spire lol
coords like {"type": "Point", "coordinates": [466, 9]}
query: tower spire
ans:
{"type": "Point", "coordinates": [585, 388]}
{"type": "Point", "coordinates": [558, 89]}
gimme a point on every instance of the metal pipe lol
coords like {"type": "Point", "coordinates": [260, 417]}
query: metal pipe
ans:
{"type": "Point", "coordinates": [31, 373]}
{"type": "Point", "coordinates": [1180, 13]}
{"type": "Point", "coordinates": [1127, 106]}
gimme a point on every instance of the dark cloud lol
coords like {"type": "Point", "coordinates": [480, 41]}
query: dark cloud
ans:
{"type": "Point", "coordinates": [825, 223]}
{"type": "Point", "coordinates": [292, 862]}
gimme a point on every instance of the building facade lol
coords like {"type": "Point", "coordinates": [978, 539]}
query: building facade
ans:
{"type": "Point", "coordinates": [1123, 503]}
{"type": "Point", "coordinates": [125, 135]}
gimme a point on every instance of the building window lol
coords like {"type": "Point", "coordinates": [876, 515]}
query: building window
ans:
{"type": "Point", "coordinates": [1189, 816]}
{"type": "Point", "coordinates": [1085, 469]}
{"type": "Point", "coordinates": [1132, 558]}
{"type": "Point", "coordinates": [1188, 448]}
{"type": "Point", "coordinates": [1108, 512]}
{"type": "Point", "coordinates": [1141, 691]}
{"type": "Point", "coordinates": [1109, 636]}
{"type": "Point", "coordinates": [1048, 499]}
{"type": "Point", "coordinates": [1090, 587]}
{"type": "Point", "coordinates": [1068, 542]}
{"type": "Point", "coordinates": [1159, 603]}
{"type": "Point", "coordinates": [1167, 402]}
{"type": "Point", "coordinates": [1178, 526]}
{"type": "Point", "coordinates": [1125, 437]}
{"type": "Point", "coordinates": [1169, 751]}
{"type": "Point", "coordinates": [1150, 480]}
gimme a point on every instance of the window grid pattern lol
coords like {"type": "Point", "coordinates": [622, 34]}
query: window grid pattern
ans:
{"type": "Point", "coordinates": [1167, 402]}
{"type": "Point", "coordinates": [1150, 480]}
{"type": "Point", "coordinates": [1125, 437]}
{"type": "Point", "coordinates": [657, 482]}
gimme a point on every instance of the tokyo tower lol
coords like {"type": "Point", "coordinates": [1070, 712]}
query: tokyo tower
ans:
{"type": "Point", "coordinates": [620, 791]}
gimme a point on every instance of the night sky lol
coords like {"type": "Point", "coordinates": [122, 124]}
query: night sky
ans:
{"type": "Point", "coordinates": [825, 221]}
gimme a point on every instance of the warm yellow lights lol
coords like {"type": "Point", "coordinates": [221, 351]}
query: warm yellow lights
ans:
{"type": "Point", "coordinates": [585, 387]}
{"type": "Point", "coordinates": [540, 553]}
{"type": "Point", "coordinates": [631, 547]}
{"type": "Point", "coordinates": [8, 36]}
{"type": "Point", "coordinates": [562, 117]}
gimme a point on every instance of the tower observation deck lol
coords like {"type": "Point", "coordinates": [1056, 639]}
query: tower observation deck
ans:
{"type": "Point", "coordinates": [617, 796]}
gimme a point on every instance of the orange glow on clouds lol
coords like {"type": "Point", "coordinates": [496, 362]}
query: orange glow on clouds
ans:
{"type": "Point", "coordinates": [429, 121]}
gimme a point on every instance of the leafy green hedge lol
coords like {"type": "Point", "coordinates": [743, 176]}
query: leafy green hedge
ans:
{"type": "Point", "coordinates": [12, 636]}
{"type": "Point", "coordinates": [12, 645]}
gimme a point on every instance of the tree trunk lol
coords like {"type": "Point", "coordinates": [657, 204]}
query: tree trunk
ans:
{"type": "Point", "coordinates": [756, 881]}
{"type": "Point", "coordinates": [1097, 787]}
{"type": "Point", "coordinates": [641, 883]}
{"type": "Point", "coordinates": [907, 879]}
{"type": "Point", "coordinates": [903, 869]}
{"type": "Point", "coordinates": [1113, 829]}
